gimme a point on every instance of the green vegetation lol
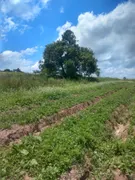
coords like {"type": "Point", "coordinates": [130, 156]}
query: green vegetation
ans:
{"type": "Point", "coordinates": [27, 106]}
{"type": "Point", "coordinates": [28, 98]}
{"type": "Point", "coordinates": [15, 81]}
{"type": "Point", "coordinates": [66, 59]}
{"type": "Point", "coordinates": [53, 152]}
{"type": "Point", "coordinates": [12, 81]}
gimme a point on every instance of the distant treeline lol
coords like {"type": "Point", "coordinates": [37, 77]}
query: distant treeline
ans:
{"type": "Point", "coordinates": [9, 70]}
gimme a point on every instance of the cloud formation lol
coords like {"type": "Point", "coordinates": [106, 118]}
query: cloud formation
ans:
{"type": "Point", "coordinates": [14, 59]}
{"type": "Point", "coordinates": [23, 28]}
{"type": "Point", "coordinates": [15, 12]}
{"type": "Point", "coordinates": [23, 9]}
{"type": "Point", "coordinates": [7, 25]}
{"type": "Point", "coordinates": [35, 67]}
{"type": "Point", "coordinates": [111, 36]}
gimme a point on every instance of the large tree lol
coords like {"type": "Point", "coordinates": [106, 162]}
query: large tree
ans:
{"type": "Point", "coordinates": [65, 58]}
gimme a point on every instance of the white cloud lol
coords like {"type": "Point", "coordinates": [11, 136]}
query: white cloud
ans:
{"type": "Point", "coordinates": [111, 36]}
{"type": "Point", "coordinates": [7, 25]}
{"type": "Point", "coordinates": [24, 28]}
{"type": "Point", "coordinates": [44, 2]}
{"type": "Point", "coordinates": [19, 11]}
{"type": "Point", "coordinates": [62, 10]}
{"type": "Point", "coordinates": [10, 24]}
{"type": "Point", "coordinates": [30, 12]}
{"type": "Point", "coordinates": [35, 66]}
{"type": "Point", "coordinates": [14, 59]}
{"type": "Point", "coordinates": [62, 29]}
{"type": "Point", "coordinates": [29, 51]}
{"type": "Point", "coordinates": [24, 9]}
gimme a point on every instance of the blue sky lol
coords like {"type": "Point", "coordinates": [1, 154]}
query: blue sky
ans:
{"type": "Point", "coordinates": [26, 26]}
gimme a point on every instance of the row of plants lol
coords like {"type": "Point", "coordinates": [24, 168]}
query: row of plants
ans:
{"type": "Point", "coordinates": [117, 153]}
{"type": "Point", "coordinates": [58, 148]}
{"type": "Point", "coordinates": [33, 105]}
{"type": "Point", "coordinates": [25, 97]}
{"type": "Point", "coordinates": [8, 100]}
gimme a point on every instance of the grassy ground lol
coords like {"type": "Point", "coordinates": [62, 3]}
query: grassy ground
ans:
{"type": "Point", "coordinates": [14, 81]}
{"type": "Point", "coordinates": [58, 148]}
{"type": "Point", "coordinates": [23, 105]}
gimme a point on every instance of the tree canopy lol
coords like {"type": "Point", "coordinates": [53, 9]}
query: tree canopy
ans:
{"type": "Point", "coordinates": [67, 59]}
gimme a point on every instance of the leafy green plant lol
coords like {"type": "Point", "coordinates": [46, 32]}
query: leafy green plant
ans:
{"type": "Point", "coordinates": [60, 147]}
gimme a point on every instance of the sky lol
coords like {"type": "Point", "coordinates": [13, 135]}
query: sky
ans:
{"type": "Point", "coordinates": [105, 26]}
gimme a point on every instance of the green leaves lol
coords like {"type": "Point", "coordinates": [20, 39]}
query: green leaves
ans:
{"type": "Point", "coordinates": [24, 107]}
{"type": "Point", "coordinates": [38, 138]}
{"type": "Point", "coordinates": [58, 148]}
{"type": "Point", "coordinates": [24, 152]}
{"type": "Point", "coordinates": [33, 162]}
{"type": "Point", "coordinates": [65, 58]}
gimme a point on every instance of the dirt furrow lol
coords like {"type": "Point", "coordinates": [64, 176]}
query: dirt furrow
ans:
{"type": "Point", "coordinates": [120, 122]}
{"type": "Point", "coordinates": [78, 172]}
{"type": "Point", "coordinates": [18, 131]}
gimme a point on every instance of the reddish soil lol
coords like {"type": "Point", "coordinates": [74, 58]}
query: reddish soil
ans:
{"type": "Point", "coordinates": [26, 177]}
{"type": "Point", "coordinates": [72, 175]}
{"type": "Point", "coordinates": [78, 172]}
{"type": "Point", "coordinates": [18, 131]}
{"type": "Point", "coordinates": [120, 122]}
{"type": "Point", "coordinates": [119, 176]}
{"type": "Point", "coordinates": [121, 131]}
{"type": "Point", "coordinates": [75, 174]}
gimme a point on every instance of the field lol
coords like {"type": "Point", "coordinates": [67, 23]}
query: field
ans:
{"type": "Point", "coordinates": [73, 129]}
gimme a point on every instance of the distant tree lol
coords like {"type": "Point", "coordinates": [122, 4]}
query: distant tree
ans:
{"type": "Point", "coordinates": [7, 70]}
{"type": "Point", "coordinates": [97, 72]}
{"type": "Point", "coordinates": [65, 58]}
{"type": "Point", "coordinates": [36, 71]}
{"type": "Point", "coordinates": [124, 78]}
{"type": "Point", "coordinates": [17, 70]}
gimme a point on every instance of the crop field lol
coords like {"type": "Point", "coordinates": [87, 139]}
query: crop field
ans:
{"type": "Point", "coordinates": [68, 131]}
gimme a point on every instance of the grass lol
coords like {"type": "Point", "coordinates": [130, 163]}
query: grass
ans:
{"type": "Point", "coordinates": [55, 151]}
{"type": "Point", "coordinates": [27, 98]}
{"type": "Point", "coordinates": [28, 106]}
{"type": "Point", "coordinates": [14, 81]}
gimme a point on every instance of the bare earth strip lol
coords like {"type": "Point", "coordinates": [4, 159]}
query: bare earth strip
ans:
{"type": "Point", "coordinates": [78, 172]}
{"type": "Point", "coordinates": [18, 131]}
{"type": "Point", "coordinates": [120, 122]}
